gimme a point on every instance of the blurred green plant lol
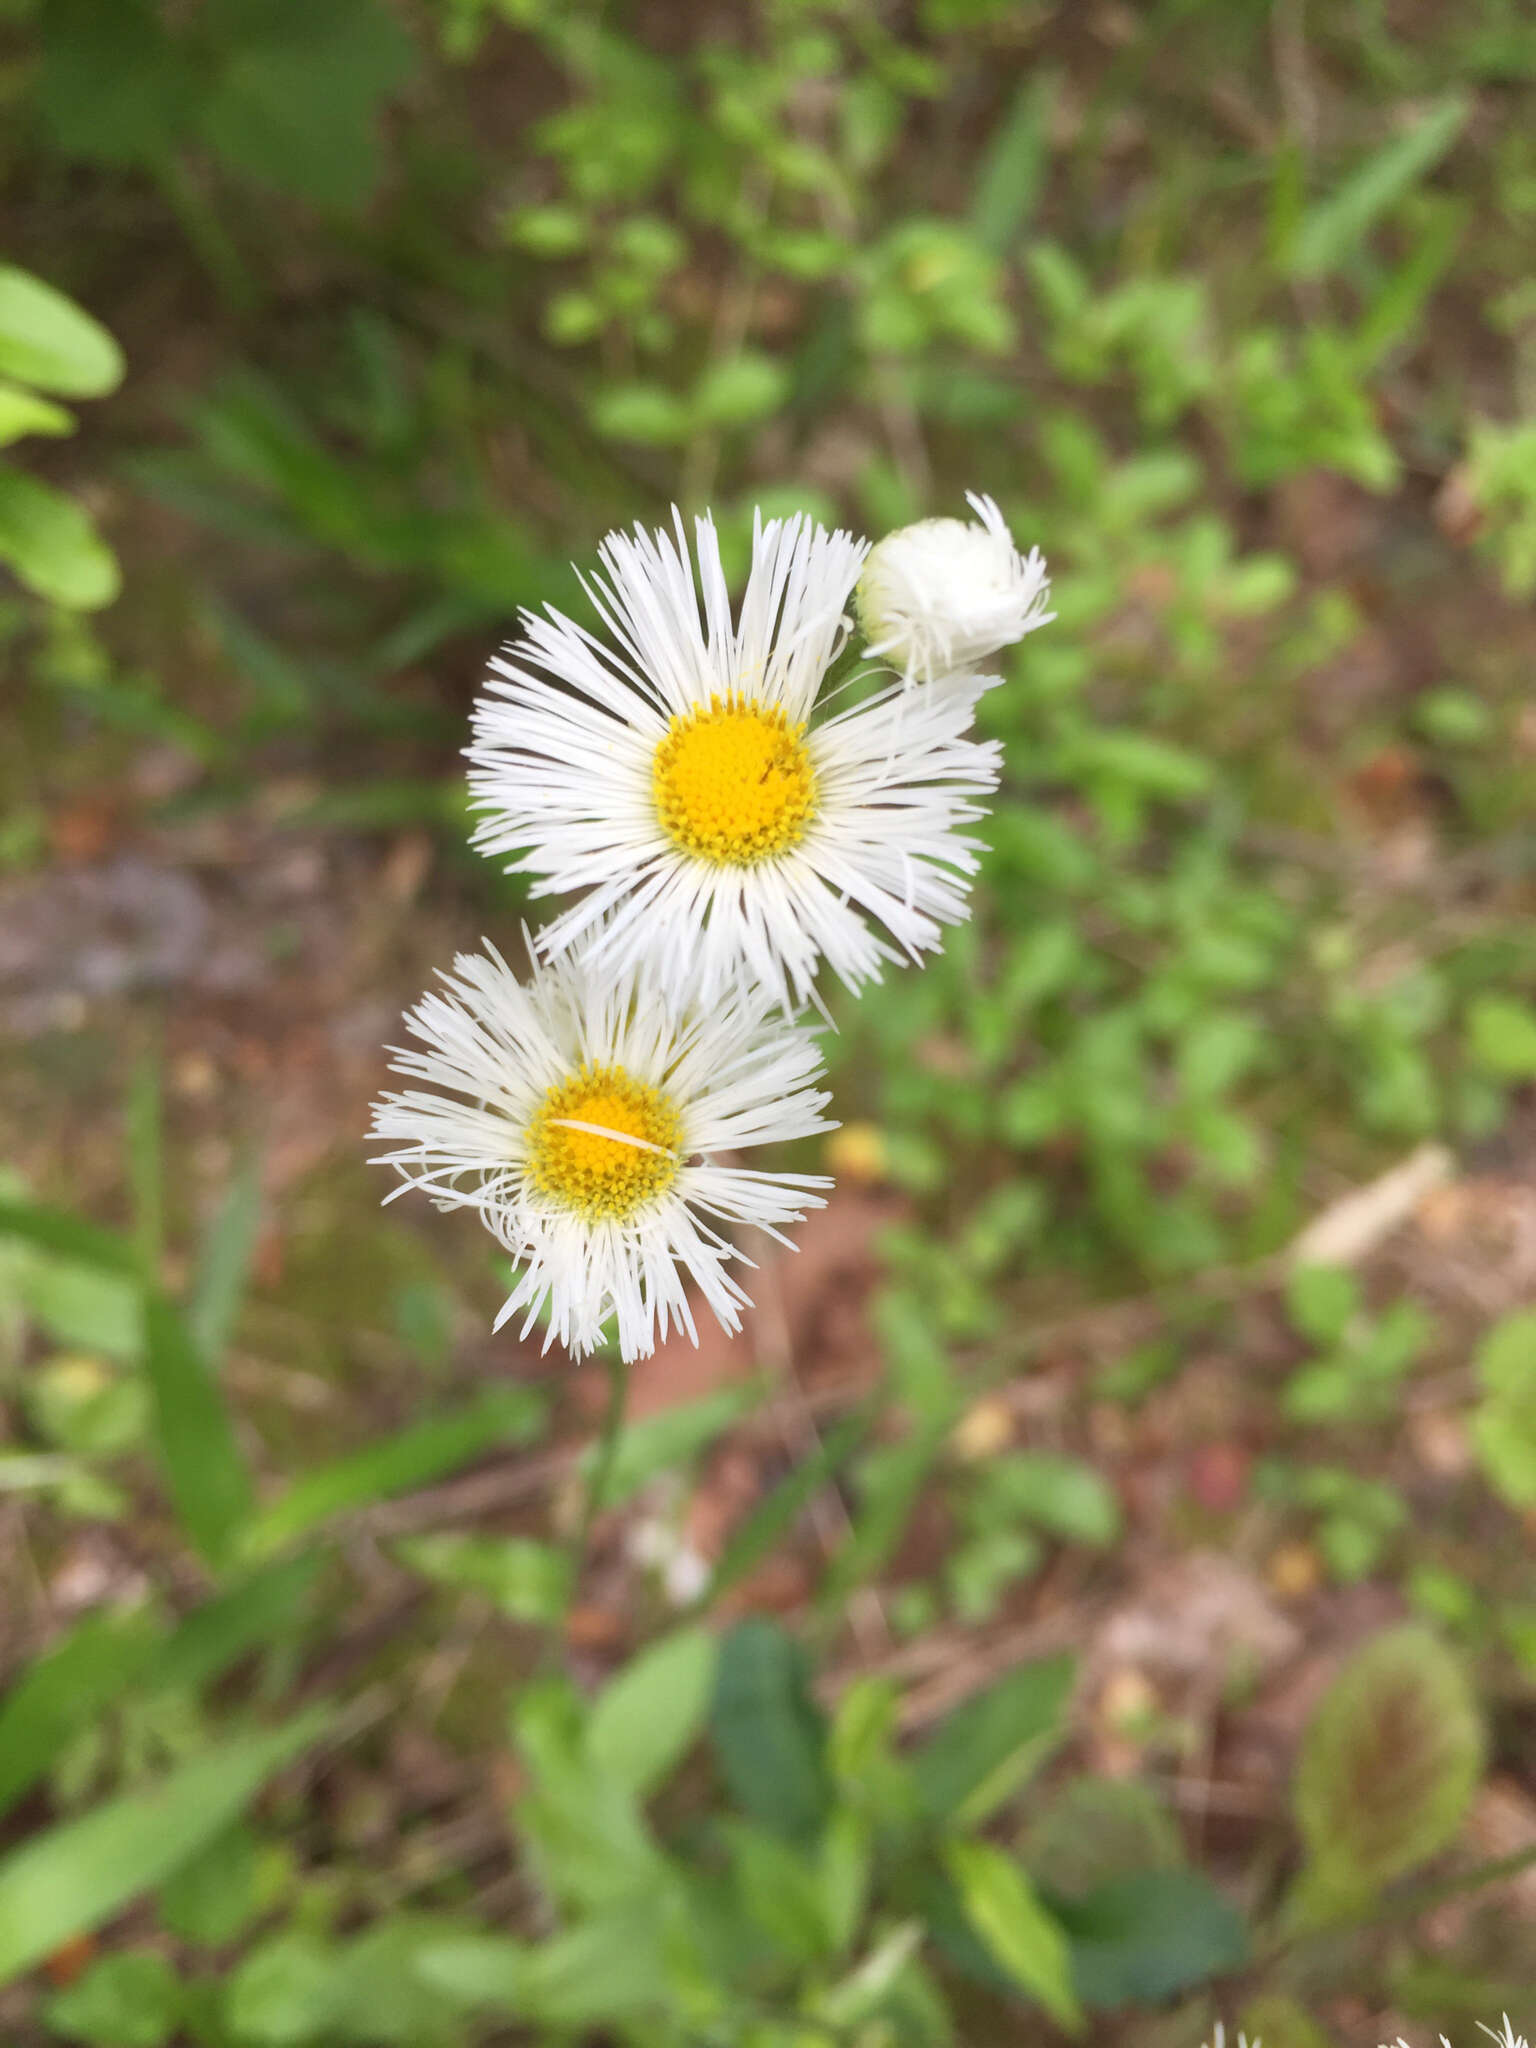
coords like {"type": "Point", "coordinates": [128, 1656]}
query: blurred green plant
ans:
{"type": "Point", "coordinates": [1501, 483]}
{"type": "Point", "coordinates": [1363, 1359]}
{"type": "Point", "coordinates": [50, 348]}
{"type": "Point", "coordinates": [272, 90]}
{"type": "Point", "coordinates": [1251, 920]}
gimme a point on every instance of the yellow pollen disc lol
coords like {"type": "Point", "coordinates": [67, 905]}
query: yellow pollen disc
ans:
{"type": "Point", "coordinates": [602, 1177]}
{"type": "Point", "coordinates": [734, 784]}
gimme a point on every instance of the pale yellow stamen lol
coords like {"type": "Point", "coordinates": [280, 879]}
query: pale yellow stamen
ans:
{"type": "Point", "coordinates": [734, 782]}
{"type": "Point", "coordinates": [603, 1143]}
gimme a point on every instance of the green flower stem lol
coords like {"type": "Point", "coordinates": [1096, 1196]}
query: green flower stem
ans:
{"type": "Point", "coordinates": [602, 1471]}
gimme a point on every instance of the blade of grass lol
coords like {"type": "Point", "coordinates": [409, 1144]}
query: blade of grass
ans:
{"type": "Point", "coordinates": [1330, 231]}
{"type": "Point", "coordinates": [107, 1654]}
{"type": "Point", "coordinates": [52, 1230]}
{"type": "Point", "coordinates": [61, 1692]}
{"type": "Point", "coordinates": [206, 1473]}
{"type": "Point", "coordinates": [143, 1128]}
{"type": "Point", "coordinates": [223, 1629]}
{"type": "Point", "coordinates": [1393, 314]}
{"type": "Point", "coordinates": [773, 1515]}
{"type": "Point", "coordinates": [399, 1464]}
{"type": "Point", "coordinates": [225, 1263]}
{"type": "Point", "coordinates": [1017, 1931]}
{"type": "Point", "coordinates": [1013, 166]}
{"type": "Point", "coordinates": [74, 1877]}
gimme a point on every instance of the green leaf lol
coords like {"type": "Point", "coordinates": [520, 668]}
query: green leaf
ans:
{"type": "Point", "coordinates": [378, 1991]}
{"type": "Point", "coordinates": [646, 1719]}
{"type": "Point", "coordinates": [609, 1968]}
{"type": "Point", "coordinates": [1001, 1905]}
{"type": "Point", "coordinates": [297, 1988]}
{"type": "Point", "coordinates": [300, 91]}
{"type": "Point", "coordinates": [860, 1995]}
{"type": "Point", "coordinates": [113, 87]}
{"type": "Point", "coordinates": [266, 1604]}
{"type": "Point", "coordinates": [64, 1690]}
{"type": "Point", "coordinates": [86, 1308]}
{"type": "Point", "coordinates": [1453, 717]}
{"type": "Point", "coordinates": [767, 1732]}
{"type": "Point", "coordinates": [510, 1414]}
{"type": "Point", "coordinates": [206, 1473]}
{"type": "Point", "coordinates": [480, 1970]}
{"type": "Point", "coordinates": [1216, 1052]}
{"type": "Point", "coordinates": [1063, 1496]}
{"type": "Point", "coordinates": [20, 1471]}
{"type": "Point", "coordinates": [280, 1996]}
{"type": "Point", "coordinates": [645, 413]}
{"type": "Point", "coordinates": [1154, 766]}
{"type": "Point", "coordinates": [1387, 1768]}
{"type": "Point", "coordinates": [528, 1580]}
{"type": "Point", "coordinates": [1501, 1037]}
{"type": "Point", "coordinates": [1330, 232]}
{"type": "Point", "coordinates": [1151, 1934]}
{"type": "Point", "coordinates": [1392, 317]}
{"type": "Point", "coordinates": [979, 1571]}
{"type": "Point", "coordinates": [69, 1880]}
{"type": "Point", "coordinates": [779, 1890]}
{"type": "Point", "coordinates": [1322, 1301]}
{"type": "Point", "coordinates": [605, 1969]}
{"type": "Point", "coordinates": [1504, 1423]}
{"type": "Point", "coordinates": [1095, 1829]}
{"type": "Point", "coordinates": [52, 547]}
{"type": "Point", "coordinates": [844, 1870]}
{"type": "Point", "coordinates": [1506, 1357]}
{"type": "Point", "coordinates": [754, 1538]}
{"type": "Point", "coordinates": [23, 412]}
{"type": "Point", "coordinates": [585, 1835]}
{"type": "Point", "coordinates": [991, 1744]}
{"type": "Point", "coordinates": [215, 1893]}
{"type": "Point", "coordinates": [548, 231]}
{"type": "Point", "coordinates": [741, 391]}
{"type": "Point", "coordinates": [225, 1263]}
{"type": "Point", "coordinates": [82, 1407]}
{"type": "Point", "coordinates": [869, 1775]}
{"type": "Point", "coordinates": [1013, 166]}
{"type": "Point", "coordinates": [53, 1230]}
{"type": "Point", "coordinates": [47, 341]}
{"type": "Point", "coordinates": [122, 2001]}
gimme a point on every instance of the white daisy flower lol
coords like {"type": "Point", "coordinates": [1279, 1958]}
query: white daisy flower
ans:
{"type": "Point", "coordinates": [581, 1117]}
{"type": "Point", "coordinates": [681, 780]}
{"type": "Point", "coordinates": [946, 594]}
{"type": "Point", "coordinates": [1506, 2037]}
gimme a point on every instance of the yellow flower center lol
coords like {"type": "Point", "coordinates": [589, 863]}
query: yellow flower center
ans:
{"type": "Point", "coordinates": [603, 1144]}
{"type": "Point", "coordinates": [734, 783]}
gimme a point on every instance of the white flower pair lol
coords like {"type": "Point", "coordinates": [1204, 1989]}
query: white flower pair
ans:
{"type": "Point", "coordinates": [723, 840]}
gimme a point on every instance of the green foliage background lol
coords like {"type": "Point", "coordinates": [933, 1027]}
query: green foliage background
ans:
{"type": "Point", "coordinates": [1229, 305]}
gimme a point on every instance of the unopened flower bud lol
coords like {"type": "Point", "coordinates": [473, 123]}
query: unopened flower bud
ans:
{"type": "Point", "coordinates": [945, 594]}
